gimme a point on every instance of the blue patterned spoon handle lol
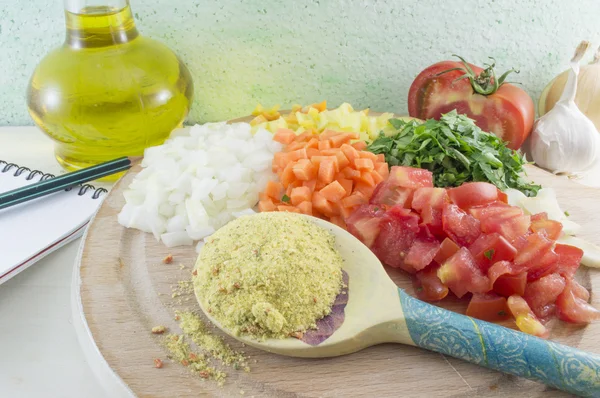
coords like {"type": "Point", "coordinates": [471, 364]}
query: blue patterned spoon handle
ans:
{"type": "Point", "coordinates": [500, 348]}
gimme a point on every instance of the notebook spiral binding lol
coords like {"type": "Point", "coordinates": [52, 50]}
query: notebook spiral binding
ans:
{"type": "Point", "coordinates": [44, 176]}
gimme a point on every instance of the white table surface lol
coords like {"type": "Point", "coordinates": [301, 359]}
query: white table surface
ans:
{"type": "Point", "coordinates": [41, 354]}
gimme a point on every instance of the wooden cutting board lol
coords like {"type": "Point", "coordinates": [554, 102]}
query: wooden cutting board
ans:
{"type": "Point", "coordinates": [126, 290]}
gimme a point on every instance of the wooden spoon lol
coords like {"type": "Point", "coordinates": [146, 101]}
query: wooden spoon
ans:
{"type": "Point", "coordinates": [379, 312]}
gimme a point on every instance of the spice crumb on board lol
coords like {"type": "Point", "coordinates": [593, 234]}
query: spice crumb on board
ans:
{"type": "Point", "coordinates": [197, 363]}
{"type": "Point", "coordinates": [159, 329]}
{"type": "Point", "coordinates": [181, 266]}
{"type": "Point", "coordinates": [196, 330]}
{"type": "Point", "coordinates": [158, 363]}
{"type": "Point", "coordinates": [168, 259]}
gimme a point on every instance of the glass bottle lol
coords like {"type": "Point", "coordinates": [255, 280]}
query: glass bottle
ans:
{"type": "Point", "coordinates": [107, 91]}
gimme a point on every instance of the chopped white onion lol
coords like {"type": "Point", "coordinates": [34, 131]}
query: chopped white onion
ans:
{"type": "Point", "coordinates": [198, 180]}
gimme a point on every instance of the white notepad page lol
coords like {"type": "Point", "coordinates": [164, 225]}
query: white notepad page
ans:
{"type": "Point", "coordinates": [32, 230]}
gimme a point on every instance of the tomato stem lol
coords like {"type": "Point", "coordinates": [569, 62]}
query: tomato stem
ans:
{"type": "Point", "coordinates": [485, 83]}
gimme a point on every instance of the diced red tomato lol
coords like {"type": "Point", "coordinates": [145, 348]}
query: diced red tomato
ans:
{"type": "Point", "coordinates": [502, 197]}
{"type": "Point", "coordinates": [429, 197]}
{"type": "Point", "coordinates": [388, 194]}
{"type": "Point", "coordinates": [432, 218]}
{"type": "Point", "coordinates": [507, 285]}
{"type": "Point", "coordinates": [410, 177]}
{"type": "Point", "coordinates": [580, 291]}
{"type": "Point", "coordinates": [460, 226]}
{"type": "Point", "coordinates": [543, 293]}
{"type": "Point", "coordinates": [488, 307]}
{"type": "Point", "coordinates": [365, 223]}
{"type": "Point", "coordinates": [473, 194]}
{"type": "Point", "coordinates": [501, 268]}
{"type": "Point", "coordinates": [491, 248]}
{"type": "Point", "coordinates": [569, 258]}
{"type": "Point", "coordinates": [399, 229]}
{"type": "Point", "coordinates": [571, 308]}
{"type": "Point", "coordinates": [428, 286]}
{"type": "Point", "coordinates": [552, 228]}
{"type": "Point", "coordinates": [525, 318]}
{"type": "Point", "coordinates": [488, 248]}
{"type": "Point", "coordinates": [543, 266]}
{"type": "Point", "coordinates": [511, 227]}
{"type": "Point", "coordinates": [534, 247]}
{"type": "Point", "coordinates": [493, 209]}
{"type": "Point", "coordinates": [462, 274]}
{"type": "Point", "coordinates": [422, 251]}
{"type": "Point", "coordinates": [447, 250]}
{"type": "Point", "coordinates": [539, 216]}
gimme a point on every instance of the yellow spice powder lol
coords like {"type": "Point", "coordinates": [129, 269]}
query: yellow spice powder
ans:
{"type": "Point", "coordinates": [269, 275]}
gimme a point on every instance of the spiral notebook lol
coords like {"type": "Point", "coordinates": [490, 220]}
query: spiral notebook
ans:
{"type": "Point", "coordinates": [31, 230]}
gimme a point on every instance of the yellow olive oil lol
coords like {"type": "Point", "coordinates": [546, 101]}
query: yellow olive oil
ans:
{"type": "Point", "coordinates": [107, 91]}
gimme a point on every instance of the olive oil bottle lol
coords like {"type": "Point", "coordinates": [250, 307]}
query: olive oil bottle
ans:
{"type": "Point", "coordinates": [107, 91]}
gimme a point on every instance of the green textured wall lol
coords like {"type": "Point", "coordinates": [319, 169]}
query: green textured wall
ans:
{"type": "Point", "coordinates": [365, 52]}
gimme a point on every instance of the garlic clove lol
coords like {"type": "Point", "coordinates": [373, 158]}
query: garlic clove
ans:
{"type": "Point", "coordinates": [564, 140]}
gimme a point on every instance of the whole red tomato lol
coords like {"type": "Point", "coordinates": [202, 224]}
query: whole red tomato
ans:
{"type": "Point", "coordinates": [498, 107]}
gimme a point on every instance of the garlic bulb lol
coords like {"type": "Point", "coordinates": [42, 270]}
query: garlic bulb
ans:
{"type": "Point", "coordinates": [564, 140]}
{"type": "Point", "coordinates": [588, 91]}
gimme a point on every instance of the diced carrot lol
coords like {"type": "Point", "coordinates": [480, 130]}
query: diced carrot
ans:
{"type": "Point", "coordinates": [305, 208]}
{"type": "Point", "coordinates": [330, 151]}
{"type": "Point", "coordinates": [347, 184]}
{"type": "Point", "coordinates": [280, 160]}
{"type": "Point", "coordinates": [287, 208]}
{"type": "Point", "coordinates": [317, 160]}
{"type": "Point", "coordinates": [381, 157]}
{"type": "Point", "coordinates": [273, 190]}
{"type": "Point", "coordinates": [359, 145]}
{"type": "Point", "coordinates": [294, 146]}
{"type": "Point", "coordinates": [299, 195]}
{"type": "Point", "coordinates": [327, 134]}
{"type": "Point", "coordinates": [293, 184]}
{"type": "Point", "coordinates": [355, 199]}
{"type": "Point", "coordinates": [354, 135]}
{"type": "Point", "coordinates": [351, 173]}
{"type": "Point", "coordinates": [376, 177]}
{"type": "Point", "coordinates": [287, 175]}
{"type": "Point", "coordinates": [310, 152]}
{"type": "Point", "coordinates": [350, 152]}
{"type": "Point", "coordinates": [298, 154]}
{"type": "Point", "coordinates": [312, 143]}
{"type": "Point", "coordinates": [383, 170]}
{"type": "Point", "coordinates": [304, 170]}
{"type": "Point", "coordinates": [324, 144]}
{"type": "Point", "coordinates": [339, 221]}
{"type": "Point", "coordinates": [339, 140]}
{"type": "Point", "coordinates": [368, 155]}
{"type": "Point", "coordinates": [284, 136]}
{"type": "Point", "coordinates": [310, 184]}
{"type": "Point", "coordinates": [320, 185]}
{"type": "Point", "coordinates": [367, 178]}
{"type": "Point", "coordinates": [342, 159]}
{"type": "Point", "coordinates": [363, 164]}
{"type": "Point", "coordinates": [321, 204]}
{"type": "Point", "coordinates": [346, 212]}
{"type": "Point", "coordinates": [333, 192]}
{"type": "Point", "coordinates": [326, 171]}
{"type": "Point", "coordinates": [263, 196]}
{"type": "Point", "coordinates": [364, 189]}
{"type": "Point", "coordinates": [266, 205]}
{"type": "Point", "coordinates": [303, 137]}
